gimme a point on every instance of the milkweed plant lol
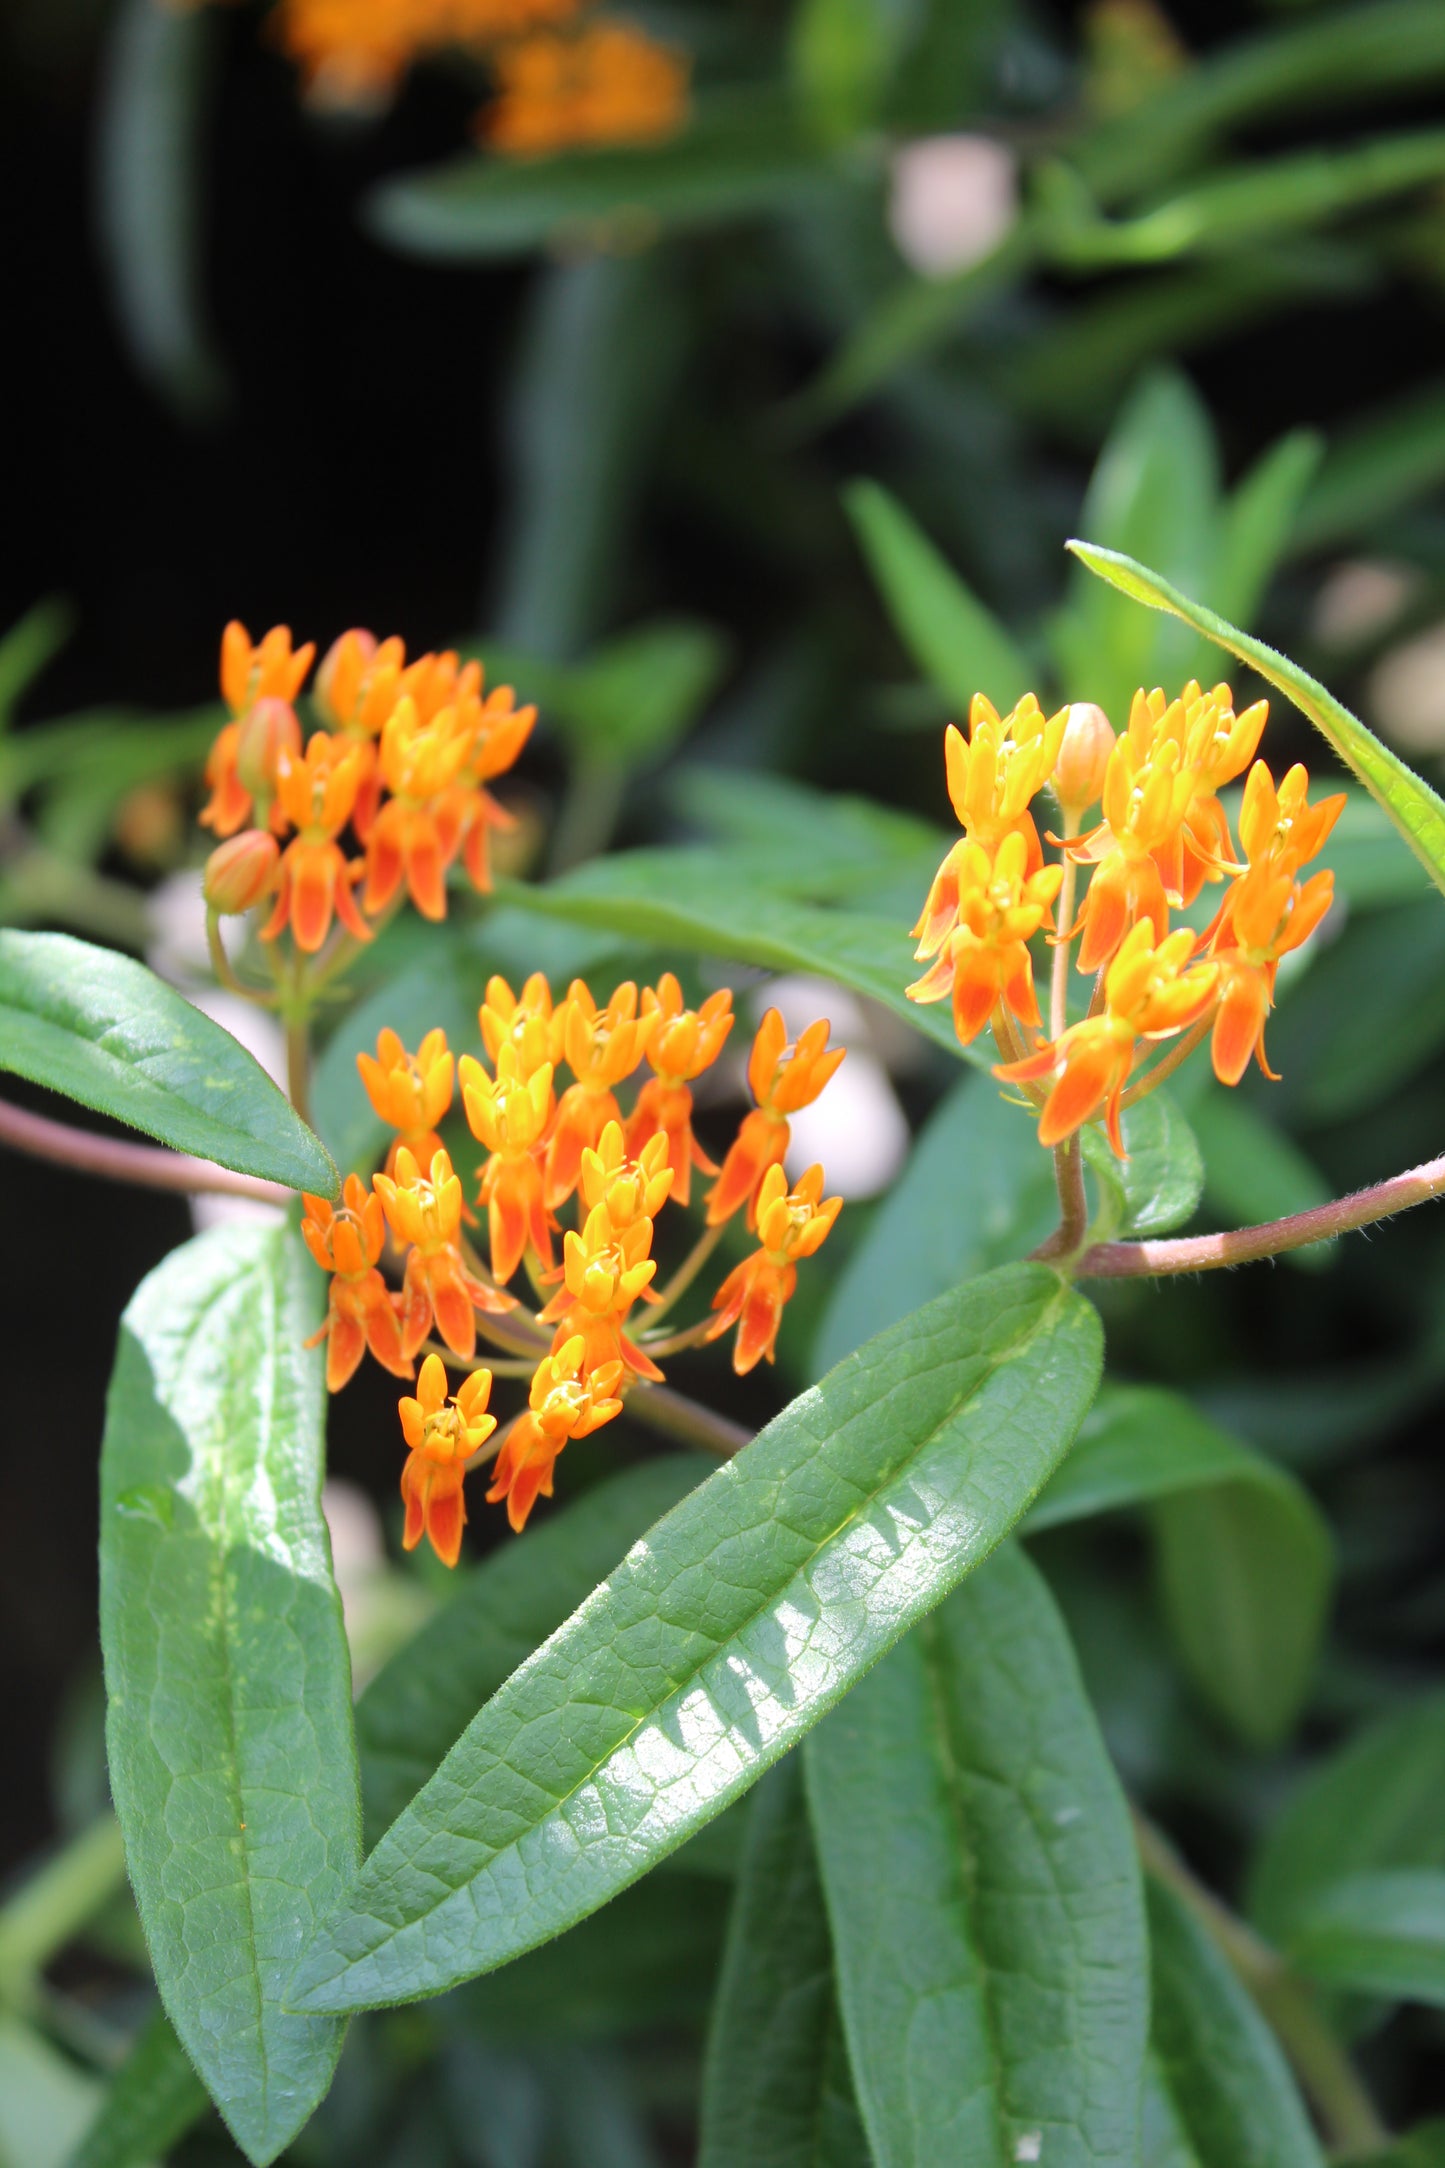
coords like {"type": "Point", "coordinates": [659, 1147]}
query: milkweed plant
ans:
{"type": "Point", "coordinates": [952, 1938]}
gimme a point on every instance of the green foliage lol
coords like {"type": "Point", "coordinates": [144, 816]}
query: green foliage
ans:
{"type": "Point", "coordinates": [45, 2102]}
{"type": "Point", "coordinates": [983, 1891]}
{"type": "Point", "coordinates": [1157, 1186]}
{"type": "Point", "coordinates": [777, 2092]}
{"type": "Point", "coordinates": [229, 1727]}
{"type": "Point", "coordinates": [752, 1608]}
{"type": "Point", "coordinates": [1222, 2095]}
{"type": "Point", "coordinates": [419, 1705]}
{"type": "Point", "coordinates": [1383, 1933]}
{"type": "Point", "coordinates": [103, 1030]}
{"type": "Point", "coordinates": [150, 2103]}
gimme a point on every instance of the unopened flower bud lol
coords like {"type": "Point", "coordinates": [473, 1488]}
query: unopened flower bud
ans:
{"type": "Point", "coordinates": [241, 872]}
{"type": "Point", "coordinates": [1083, 757]}
{"type": "Point", "coordinates": [268, 730]}
{"type": "Point", "coordinates": [340, 678]}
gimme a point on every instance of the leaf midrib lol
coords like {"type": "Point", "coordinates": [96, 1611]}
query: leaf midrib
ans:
{"type": "Point", "coordinates": [414, 1919]}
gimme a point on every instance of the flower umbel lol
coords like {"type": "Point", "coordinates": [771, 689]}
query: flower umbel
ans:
{"type": "Point", "coordinates": [441, 1434]}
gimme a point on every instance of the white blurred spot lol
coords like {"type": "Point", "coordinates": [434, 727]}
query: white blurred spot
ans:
{"type": "Point", "coordinates": [1030, 2146]}
{"type": "Point", "coordinates": [177, 914]}
{"type": "Point", "coordinates": [1360, 598]}
{"type": "Point", "coordinates": [953, 199]}
{"type": "Point", "coordinates": [1407, 692]}
{"type": "Point", "coordinates": [857, 1129]}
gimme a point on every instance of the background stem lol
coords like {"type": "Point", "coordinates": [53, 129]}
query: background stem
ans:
{"type": "Point", "coordinates": [148, 1166]}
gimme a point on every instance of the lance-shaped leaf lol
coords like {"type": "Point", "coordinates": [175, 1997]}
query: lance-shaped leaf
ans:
{"type": "Point", "coordinates": [421, 1703]}
{"type": "Point", "coordinates": [983, 1888]}
{"type": "Point", "coordinates": [1222, 2095]}
{"type": "Point", "coordinates": [102, 1029]}
{"type": "Point", "coordinates": [229, 1733]}
{"type": "Point", "coordinates": [702, 902]}
{"type": "Point", "coordinates": [1383, 1933]}
{"type": "Point", "coordinates": [776, 2089]}
{"type": "Point", "coordinates": [729, 1630]}
{"type": "Point", "coordinates": [152, 2101]}
{"type": "Point", "coordinates": [1417, 811]}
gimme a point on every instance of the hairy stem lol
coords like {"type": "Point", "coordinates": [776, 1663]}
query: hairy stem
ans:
{"type": "Point", "coordinates": [1067, 1238]}
{"type": "Point", "coordinates": [1242, 1245]}
{"type": "Point", "coordinates": [1059, 984]}
{"type": "Point", "coordinates": [688, 1421]}
{"type": "Point", "coordinates": [225, 970]}
{"type": "Point", "coordinates": [298, 1063]}
{"type": "Point", "coordinates": [1165, 1067]}
{"type": "Point", "coordinates": [54, 1904]}
{"type": "Point", "coordinates": [147, 1166]}
{"type": "Point", "coordinates": [1329, 2078]}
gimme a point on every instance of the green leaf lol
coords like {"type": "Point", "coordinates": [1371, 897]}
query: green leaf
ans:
{"type": "Point", "coordinates": [1375, 1804]}
{"type": "Point", "coordinates": [1383, 1933]}
{"type": "Point", "coordinates": [955, 640]}
{"type": "Point", "coordinates": [705, 904]}
{"type": "Point", "coordinates": [1154, 493]}
{"type": "Point", "coordinates": [1384, 463]}
{"type": "Point", "coordinates": [1161, 1182]}
{"type": "Point", "coordinates": [855, 847]}
{"type": "Point", "coordinates": [842, 54]}
{"type": "Point", "coordinates": [1229, 2094]}
{"type": "Point", "coordinates": [710, 1650]}
{"type": "Point", "coordinates": [416, 1708]}
{"type": "Point", "coordinates": [45, 2101]}
{"type": "Point", "coordinates": [983, 1889]}
{"type": "Point", "coordinates": [776, 2091]}
{"type": "Point", "coordinates": [107, 1032]}
{"type": "Point", "coordinates": [1372, 863]}
{"type": "Point", "coordinates": [1255, 1170]}
{"type": "Point", "coordinates": [1412, 805]}
{"type": "Point", "coordinates": [635, 697]}
{"type": "Point", "coordinates": [1424, 2147]}
{"type": "Point", "coordinates": [153, 114]}
{"type": "Point", "coordinates": [27, 647]}
{"type": "Point", "coordinates": [1366, 1017]}
{"type": "Point", "coordinates": [1245, 1558]}
{"type": "Point", "coordinates": [229, 1729]}
{"type": "Point", "coordinates": [737, 159]}
{"type": "Point", "coordinates": [977, 1192]}
{"type": "Point", "coordinates": [1259, 520]}
{"type": "Point", "coordinates": [150, 2103]}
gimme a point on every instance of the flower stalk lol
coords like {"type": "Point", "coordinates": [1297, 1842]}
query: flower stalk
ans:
{"type": "Point", "coordinates": [115, 1159]}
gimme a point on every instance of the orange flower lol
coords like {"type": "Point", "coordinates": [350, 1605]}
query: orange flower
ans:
{"type": "Point", "coordinates": [441, 1435]}
{"type": "Point", "coordinates": [271, 671]}
{"type": "Point", "coordinates": [502, 729]}
{"type": "Point", "coordinates": [985, 957]}
{"type": "Point", "coordinates": [682, 1044]}
{"type": "Point", "coordinates": [608, 1266]}
{"type": "Point", "coordinates": [241, 768]}
{"type": "Point", "coordinates": [1147, 793]}
{"type": "Point", "coordinates": [1150, 992]}
{"type": "Point", "coordinates": [411, 1093]}
{"type": "Point", "coordinates": [993, 777]}
{"type": "Point", "coordinates": [568, 1399]}
{"type": "Point", "coordinates": [602, 1048]}
{"type": "Point", "coordinates": [791, 1224]}
{"type": "Point", "coordinates": [609, 83]}
{"type": "Point", "coordinates": [362, 1313]}
{"type": "Point", "coordinates": [1218, 746]}
{"type": "Point", "coordinates": [1281, 826]}
{"type": "Point", "coordinates": [524, 1022]}
{"type": "Point", "coordinates": [415, 832]}
{"type": "Point", "coordinates": [357, 686]}
{"type": "Point", "coordinates": [629, 1188]}
{"type": "Point", "coordinates": [316, 794]}
{"type": "Point", "coordinates": [241, 872]}
{"type": "Point", "coordinates": [782, 1079]}
{"type": "Point", "coordinates": [426, 1212]}
{"type": "Point", "coordinates": [509, 1114]}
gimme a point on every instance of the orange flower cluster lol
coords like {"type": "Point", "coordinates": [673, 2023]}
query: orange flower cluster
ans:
{"type": "Point", "coordinates": [548, 1143]}
{"type": "Point", "coordinates": [562, 84]}
{"type": "Point", "coordinates": [1163, 837]}
{"type": "Point", "coordinates": [403, 762]}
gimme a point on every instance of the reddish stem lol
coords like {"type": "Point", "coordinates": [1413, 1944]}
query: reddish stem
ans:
{"type": "Point", "coordinates": [148, 1166]}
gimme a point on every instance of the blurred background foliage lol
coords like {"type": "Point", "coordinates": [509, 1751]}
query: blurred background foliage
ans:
{"type": "Point", "coordinates": [750, 454]}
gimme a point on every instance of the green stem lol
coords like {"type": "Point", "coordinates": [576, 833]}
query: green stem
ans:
{"type": "Point", "coordinates": [225, 970]}
{"type": "Point", "coordinates": [1329, 2078]}
{"type": "Point", "coordinates": [298, 1061]}
{"type": "Point", "coordinates": [55, 1904]}
{"type": "Point", "coordinates": [686, 1273]}
{"type": "Point", "coordinates": [688, 1421]}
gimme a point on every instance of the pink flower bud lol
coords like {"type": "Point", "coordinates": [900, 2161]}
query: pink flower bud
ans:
{"type": "Point", "coordinates": [1083, 757]}
{"type": "Point", "coordinates": [241, 872]}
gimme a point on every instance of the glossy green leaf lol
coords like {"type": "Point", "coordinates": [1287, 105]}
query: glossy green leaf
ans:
{"type": "Point", "coordinates": [1417, 811]}
{"type": "Point", "coordinates": [153, 115]}
{"type": "Point", "coordinates": [107, 1032]}
{"type": "Point", "coordinates": [45, 2100]}
{"type": "Point", "coordinates": [705, 904]}
{"type": "Point", "coordinates": [956, 641]}
{"type": "Point", "coordinates": [747, 1612]}
{"type": "Point", "coordinates": [977, 1192]}
{"type": "Point", "coordinates": [771, 2095]}
{"type": "Point", "coordinates": [418, 1706]}
{"type": "Point", "coordinates": [228, 1729]}
{"type": "Point", "coordinates": [983, 1889]}
{"type": "Point", "coordinates": [150, 2103]}
{"type": "Point", "coordinates": [1159, 1184]}
{"type": "Point", "coordinates": [1374, 1804]}
{"type": "Point", "coordinates": [736, 160]}
{"type": "Point", "coordinates": [1228, 2093]}
{"type": "Point", "coordinates": [1382, 1933]}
